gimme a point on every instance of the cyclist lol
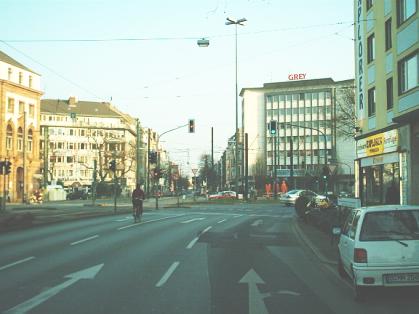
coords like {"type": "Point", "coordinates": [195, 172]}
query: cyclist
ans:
{"type": "Point", "coordinates": [137, 202]}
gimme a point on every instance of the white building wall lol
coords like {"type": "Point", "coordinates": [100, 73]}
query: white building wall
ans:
{"type": "Point", "coordinates": [253, 108]}
{"type": "Point", "coordinates": [14, 77]}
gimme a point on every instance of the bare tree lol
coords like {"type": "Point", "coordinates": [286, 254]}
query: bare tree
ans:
{"type": "Point", "coordinates": [259, 173]}
{"type": "Point", "coordinates": [346, 119]}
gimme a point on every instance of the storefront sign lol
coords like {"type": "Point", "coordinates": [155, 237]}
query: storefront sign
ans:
{"type": "Point", "coordinates": [359, 59]}
{"type": "Point", "coordinates": [377, 144]}
{"type": "Point", "coordinates": [297, 76]}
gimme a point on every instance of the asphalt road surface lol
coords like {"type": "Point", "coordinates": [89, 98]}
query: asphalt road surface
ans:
{"type": "Point", "coordinates": [242, 258]}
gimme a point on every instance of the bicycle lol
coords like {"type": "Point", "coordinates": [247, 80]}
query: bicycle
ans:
{"type": "Point", "coordinates": [138, 211]}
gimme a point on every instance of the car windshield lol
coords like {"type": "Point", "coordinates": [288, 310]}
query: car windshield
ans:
{"type": "Point", "coordinates": [294, 191]}
{"type": "Point", "coordinates": [390, 225]}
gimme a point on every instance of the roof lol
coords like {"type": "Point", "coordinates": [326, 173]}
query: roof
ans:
{"type": "Point", "coordinates": [82, 107]}
{"type": "Point", "coordinates": [380, 208]}
{"type": "Point", "coordinates": [7, 59]}
{"type": "Point", "coordinates": [298, 84]}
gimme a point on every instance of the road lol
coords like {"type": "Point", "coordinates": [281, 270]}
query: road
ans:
{"type": "Point", "coordinates": [241, 258]}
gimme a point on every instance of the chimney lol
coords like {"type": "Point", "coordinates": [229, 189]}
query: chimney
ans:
{"type": "Point", "coordinates": [72, 101]}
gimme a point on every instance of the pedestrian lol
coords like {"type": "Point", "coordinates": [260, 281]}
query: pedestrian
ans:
{"type": "Point", "coordinates": [137, 202]}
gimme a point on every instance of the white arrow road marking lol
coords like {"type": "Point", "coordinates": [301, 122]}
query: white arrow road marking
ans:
{"type": "Point", "coordinates": [256, 303]}
{"type": "Point", "coordinates": [191, 220]}
{"type": "Point", "coordinates": [88, 273]}
{"type": "Point", "coordinates": [84, 240]}
{"type": "Point", "coordinates": [257, 223]}
{"type": "Point", "coordinates": [167, 275]}
{"type": "Point", "coordinates": [221, 221]}
{"type": "Point", "coordinates": [17, 262]}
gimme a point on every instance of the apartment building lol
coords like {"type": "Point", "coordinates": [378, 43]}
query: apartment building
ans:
{"type": "Point", "coordinates": [82, 138]}
{"type": "Point", "coordinates": [20, 94]}
{"type": "Point", "coordinates": [387, 101]}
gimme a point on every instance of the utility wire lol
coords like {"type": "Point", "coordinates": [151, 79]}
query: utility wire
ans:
{"type": "Point", "coordinates": [53, 71]}
{"type": "Point", "coordinates": [178, 38]}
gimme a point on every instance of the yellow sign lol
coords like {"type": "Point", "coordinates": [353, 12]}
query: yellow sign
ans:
{"type": "Point", "coordinates": [375, 144]}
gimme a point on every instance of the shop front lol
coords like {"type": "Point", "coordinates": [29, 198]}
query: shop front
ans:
{"type": "Point", "coordinates": [379, 166]}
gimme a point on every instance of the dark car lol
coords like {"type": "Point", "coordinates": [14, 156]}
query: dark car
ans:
{"type": "Point", "coordinates": [77, 195]}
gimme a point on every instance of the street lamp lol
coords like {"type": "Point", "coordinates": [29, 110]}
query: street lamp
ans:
{"type": "Point", "coordinates": [241, 21]}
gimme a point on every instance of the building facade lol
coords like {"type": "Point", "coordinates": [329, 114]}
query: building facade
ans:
{"type": "Point", "coordinates": [82, 138]}
{"type": "Point", "coordinates": [387, 101]}
{"type": "Point", "coordinates": [20, 94]}
{"type": "Point", "coordinates": [305, 138]}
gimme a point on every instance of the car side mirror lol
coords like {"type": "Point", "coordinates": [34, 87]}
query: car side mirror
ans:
{"type": "Point", "coordinates": [336, 231]}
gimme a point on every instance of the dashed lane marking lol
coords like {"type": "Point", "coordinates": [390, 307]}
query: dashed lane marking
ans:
{"type": "Point", "coordinates": [17, 262]}
{"type": "Point", "coordinates": [84, 240]}
{"type": "Point", "coordinates": [167, 275]}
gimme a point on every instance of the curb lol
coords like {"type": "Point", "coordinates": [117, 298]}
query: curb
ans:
{"type": "Point", "coordinates": [310, 245]}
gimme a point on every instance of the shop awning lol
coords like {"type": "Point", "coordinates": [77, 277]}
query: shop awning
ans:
{"type": "Point", "coordinates": [411, 116]}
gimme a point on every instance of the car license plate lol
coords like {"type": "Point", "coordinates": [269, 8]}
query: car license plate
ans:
{"type": "Point", "coordinates": [402, 278]}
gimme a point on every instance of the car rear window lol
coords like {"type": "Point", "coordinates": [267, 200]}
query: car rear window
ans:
{"type": "Point", "coordinates": [390, 225]}
{"type": "Point", "coordinates": [293, 191]}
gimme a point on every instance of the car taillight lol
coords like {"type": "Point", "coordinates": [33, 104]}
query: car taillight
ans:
{"type": "Point", "coordinates": [360, 256]}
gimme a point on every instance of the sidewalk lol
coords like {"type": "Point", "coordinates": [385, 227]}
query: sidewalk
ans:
{"type": "Point", "coordinates": [19, 216]}
{"type": "Point", "coordinates": [318, 241]}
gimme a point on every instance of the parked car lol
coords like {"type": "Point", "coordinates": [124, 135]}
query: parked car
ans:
{"type": "Point", "coordinates": [379, 246]}
{"type": "Point", "coordinates": [290, 197]}
{"type": "Point", "coordinates": [223, 195]}
{"type": "Point", "coordinates": [77, 195]}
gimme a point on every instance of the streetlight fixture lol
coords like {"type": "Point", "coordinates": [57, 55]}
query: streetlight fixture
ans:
{"type": "Point", "coordinates": [203, 42]}
{"type": "Point", "coordinates": [231, 21]}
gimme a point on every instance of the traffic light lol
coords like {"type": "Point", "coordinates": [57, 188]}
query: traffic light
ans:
{"type": "Point", "coordinates": [152, 157]}
{"type": "Point", "coordinates": [112, 165]}
{"type": "Point", "coordinates": [7, 166]}
{"type": "Point", "coordinates": [191, 126]}
{"type": "Point", "coordinates": [273, 127]}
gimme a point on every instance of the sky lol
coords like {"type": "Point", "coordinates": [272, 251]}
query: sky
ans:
{"type": "Point", "coordinates": [144, 58]}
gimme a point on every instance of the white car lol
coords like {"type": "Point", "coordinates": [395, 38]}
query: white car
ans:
{"type": "Point", "coordinates": [379, 246]}
{"type": "Point", "coordinates": [290, 197]}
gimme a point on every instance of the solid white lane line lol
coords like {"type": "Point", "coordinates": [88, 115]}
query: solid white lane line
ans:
{"type": "Point", "coordinates": [17, 262]}
{"type": "Point", "coordinates": [191, 220]}
{"type": "Point", "coordinates": [221, 221]}
{"type": "Point", "coordinates": [145, 222]}
{"type": "Point", "coordinates": [192, 243]}
{"type": "Point", "coordinates": [167, 275]}
{"type": "Point", "coordinates": [84, 240]}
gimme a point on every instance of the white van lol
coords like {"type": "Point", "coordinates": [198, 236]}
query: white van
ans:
{"type": "Point", "coordinates": [379, 246]}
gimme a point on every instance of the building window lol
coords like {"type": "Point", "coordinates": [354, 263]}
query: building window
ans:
{"type": "Point", "coordinates": [371, 102]}
{"type": "Point", "coordinates": [405, 9]}
{"type": "Point", "coordinates": [30, 140]}
{"type": "Point", "coordinates": [9, 137]}
{"type": "Point", "coordinates": [11, 105]}
{"type": "Point", "coordinates": [369, 4]}
{"type": "Point", "coordinates": [20, 139]}
{"type": "Point", "coordinates": [30, 81]}
{"type": "Point", "coordinates": [389, 88]}
{"type": "Point", "coordinates": [31, 111]}
{"type": "Point", "coordinates": [388, 43]}
{"type": "Point", "coordinates": [408, 73]}
{"type": "Point", "coordinates": [21, 107]}
{"type": "Point", "coordinates": [20, 77]}
{"type": "Point", "coordinates": [9, 74]}
{"type": "Point", "coordinates": [371, 48]}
